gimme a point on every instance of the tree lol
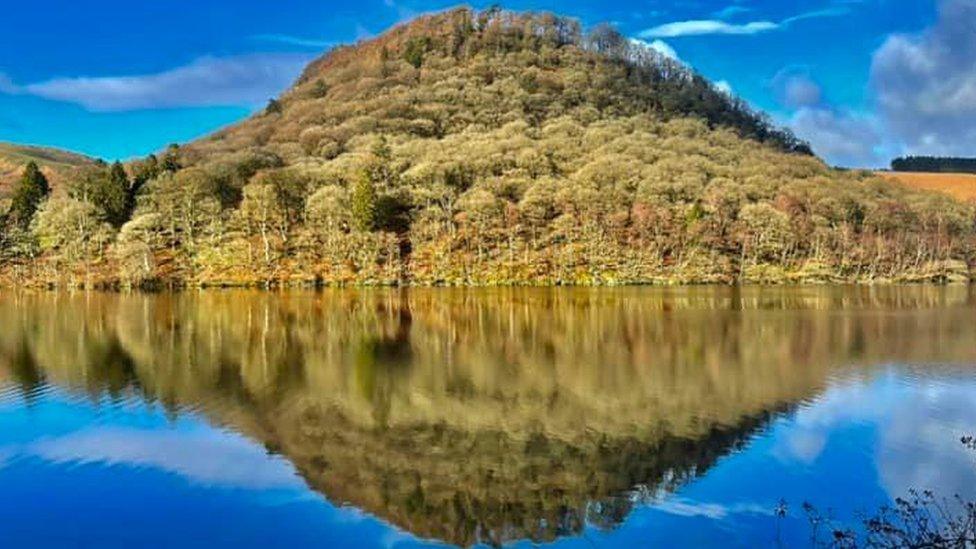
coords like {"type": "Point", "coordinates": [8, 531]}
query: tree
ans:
{"type": "Point", "coordinates": [143, 172]}
{"type": "Point", "coordinates": [120, 185]}
{"type": "Point", "coordinates": [171, 159]}
{"type": "Point", "coordinates": [135, 247]}
{"type": "Point", "coordinates": [364, 202]}
{"type": "Point", "coordinates": [606, 40]}
{"type": "Point", "coordinates": [274, 107]}
{"type": "Point", "coordinates": [262, 215]}
{"type": "Point", "coordinates": [32, 189]}
{"type": "Point", "coordinates": [107, 190]}
{"type": "Point", "coordinates": [416, 50]}
{"type": "Point", "coordinates": [70, 232]}
{"type": "Point", "coordinates": [319, 89]}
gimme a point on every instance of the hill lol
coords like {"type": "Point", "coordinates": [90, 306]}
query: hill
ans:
{"type": "Point", "coordinates": [483, 148]}
{"type": "Point", "coordinates": [54, 163]}
{"type": "Point", "coordinates": [961, 186]}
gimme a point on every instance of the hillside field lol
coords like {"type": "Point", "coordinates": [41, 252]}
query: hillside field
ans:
{"type": "Point", "coordinates": [53, 162]}
{"type": "Point", "coordinates": [957, 185]}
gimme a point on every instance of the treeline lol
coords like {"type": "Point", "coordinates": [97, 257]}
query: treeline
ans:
{"type": "Point", "coordinates": [482, 148]}
{"type": "Point", "coordinates": [934, 164]}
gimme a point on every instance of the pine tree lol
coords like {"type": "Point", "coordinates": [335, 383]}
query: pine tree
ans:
{"type": "Point", "coordinates": [30, 192]}
{"type": "Point", "coordinates": [274, 107]}
{"type": "Point", "coordinates": [121, 187]}
{"type": "Point", "coordinates": [107, 189]}
{"type": "Point", "coordinates": [364, 203]}
{"type": "Point", "coordinates": [144, 172]}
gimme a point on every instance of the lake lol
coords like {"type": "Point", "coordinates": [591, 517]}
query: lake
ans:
{"type": "Point", "coordinates": [402, 418]}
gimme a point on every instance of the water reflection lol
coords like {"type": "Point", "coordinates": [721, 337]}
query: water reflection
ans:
{"type": "Point", "coordinates": [475, 416]}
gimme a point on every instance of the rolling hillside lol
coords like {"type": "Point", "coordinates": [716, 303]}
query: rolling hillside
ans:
{"type": "Point", "coordinates": [56, 164]}
{"type": "Point", "coordinates": [960, 186]}
{"type": "Point", "coordinates": [473, 148]}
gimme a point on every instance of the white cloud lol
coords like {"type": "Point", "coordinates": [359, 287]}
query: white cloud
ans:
{"type": "Point", "coordinates": [706, 27]}
{"type": "Point", "coordinates": [682, 507]}
{"type": "Point", "coordinates": [724, 87]}
{"type": "Point", "coordinates": [203, 458]}
{"type": "Point", "coordinates": [922, 94]}
{"type": "Point", "coordinates": [245, 80]}
{"type": "Point", "coordinates": [8, 86]}
{"type": "Point", "coordinates": [925, 84]}
{"type": "Point", "coordinates": [819, 14]}
{"type": "Point", "coordinates": [700, 27]}
{"type": "Point", "coordinates": [795, 88]}
{"type": "Point", "coordinates": [294, 40]}
{"type": "Point", "coordinates": [731, 11]}
{"type": "Point", "coordinates": [919, 427]}
{"type": "Point", "coordinates": [844, 138]}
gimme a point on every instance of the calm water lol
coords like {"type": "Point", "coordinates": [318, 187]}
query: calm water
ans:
{"type": "Point", "coordinates": [416, 418]}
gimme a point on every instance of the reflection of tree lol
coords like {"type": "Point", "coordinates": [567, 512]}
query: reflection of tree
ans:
{"type": "Point", "coordinates": [481, 415]}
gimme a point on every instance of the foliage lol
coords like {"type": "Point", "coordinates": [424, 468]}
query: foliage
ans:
{"type": "Point", "coordinates": [363, 203]}
{"type": "Point", "coordinates": [524, 152]}
{"type": "Point", "coordinates": [274, 107]}
{"type": "Point", "coordinates": [415, 51]}
{"type": "Point", "coordinates": [934, 164]}
{"type": "Point", "coordinates": [32, 188]}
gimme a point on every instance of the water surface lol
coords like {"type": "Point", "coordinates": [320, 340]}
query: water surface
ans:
{"type": "Point", "coordinates": [404, 418]}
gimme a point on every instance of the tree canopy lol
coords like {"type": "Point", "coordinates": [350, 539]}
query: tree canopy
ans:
{"type": "Point", "coordinates": [934, 164]}
{"type": "Point", "coordinates": [494, 148]}
{"type": "Point", "coordinates": [32, 188]}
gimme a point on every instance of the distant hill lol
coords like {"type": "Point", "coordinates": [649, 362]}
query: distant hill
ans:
{"type": "Point", "coordinates": [494, 148]}
{"type": "Point", "coordinates": [54, 163]}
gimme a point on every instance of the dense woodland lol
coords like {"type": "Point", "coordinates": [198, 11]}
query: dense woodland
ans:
{"type": "Point", "coordinates": [934, 164]}
{"type": "Point", "coordinates": [483, 148]}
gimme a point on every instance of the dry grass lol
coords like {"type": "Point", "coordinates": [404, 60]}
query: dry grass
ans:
{"type": "Point", "coordinates": [53, 162]}
{"type": "Point", "coordinates": [959, 186]}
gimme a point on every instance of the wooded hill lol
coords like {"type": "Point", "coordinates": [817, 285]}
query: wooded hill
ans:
{"type": "Point", "coordinates": [479, 148]}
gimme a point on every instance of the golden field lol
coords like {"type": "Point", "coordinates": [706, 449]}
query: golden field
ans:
{"type": "Point", "coordinates": [957, 185]}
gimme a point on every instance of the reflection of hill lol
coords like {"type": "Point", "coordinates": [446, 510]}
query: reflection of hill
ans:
{"type": "Point", "coordinates": [482, 415]}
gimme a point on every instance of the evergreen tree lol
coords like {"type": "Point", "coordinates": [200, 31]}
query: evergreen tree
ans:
{"type": "Point", "coordinates": [416, 50]}
{"type": "Point", "coordinates": [145, 171]}
{"type": "Point", "coordinates": [364, 203]}
{"type": "Point", "coordinates": [30, 192]}
{"type": "Point", "coordinates": [107, 190]}
{"type": "Point", "coordinates": [120, 184]}
{"type": "Point", "coordinates": [274, 107]}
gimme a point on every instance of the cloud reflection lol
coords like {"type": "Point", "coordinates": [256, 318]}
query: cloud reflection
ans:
{"type": "Point", "coordinates": [918, 424]}
{"type": "Point", "coordinates": [201, 457]}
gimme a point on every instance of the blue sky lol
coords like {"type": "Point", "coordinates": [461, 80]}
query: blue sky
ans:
{"type": "Point", "coordinates": [863, 80]}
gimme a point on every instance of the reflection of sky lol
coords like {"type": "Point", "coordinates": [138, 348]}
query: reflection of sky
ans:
{"type": "Point", "coordinates": [123, 476]}
{"type": "Point", "coordinates": [73, 471]}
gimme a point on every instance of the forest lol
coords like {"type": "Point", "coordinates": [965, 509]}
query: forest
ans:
{"type": "Point", "coordinates": [484, 148]}
{"type": "Point", "coordinates": [934, 164]}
